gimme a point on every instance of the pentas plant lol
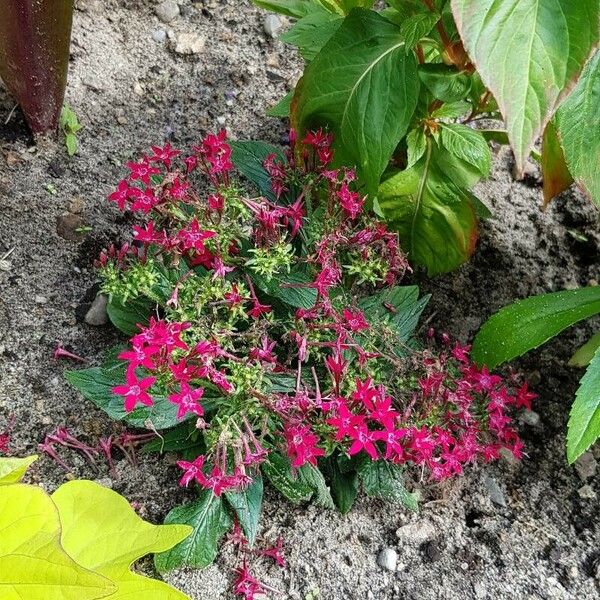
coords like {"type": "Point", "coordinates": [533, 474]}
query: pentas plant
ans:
{"type": "Point", "coordinates": [270, 337]}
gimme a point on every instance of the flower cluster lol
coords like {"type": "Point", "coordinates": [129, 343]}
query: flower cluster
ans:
{"type": "Point", "coordinates": [272, 327]}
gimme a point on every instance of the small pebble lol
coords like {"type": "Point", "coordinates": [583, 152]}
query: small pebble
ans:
{"type": "Point", "coordinates": [41, 299]}
{"type": "Point", "coordinates": [530, 417]}
{"type": "Point", "coordinates": [97, 315]}
{"type": "Point", "coordinates": [388, 559]}
{"type": "Point", "coordinates": [167, 11]}
{"type": "Point", "coordinates": [189, 43]}
{"type": "Point", "coordinates": [417, 532]}
{"type": "Point", "coordinates": [494, 491]}
{"type": "Point", "coordinates": [221, 120]}
{"type": "Point", "coordinates": [272, 25]}
{"type": "Point", "coordinates": [587, 492]}
{"type": "Point", "coordinates": [159, 36]}
{"type": "Point", "coordinates": [586, 466]}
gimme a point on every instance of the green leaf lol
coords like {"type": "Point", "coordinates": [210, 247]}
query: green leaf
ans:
{"type": "Point", "coordinates": [247, 505]}
{"type": "Point", "coordinates": [278, 471]}
{"type": "Point", "coordinates": [468, 145]}
{"type": "Point", "coordinates": [584, 420]}
{"type": "Point", "coordinates": [416, 27]}
{"type": "Point", "coordinates": [312, 32]}
{"type": "Point", "coordinates": [585, 353]}
{"type": "Point", "coordinates": [452, 110]}
{"type": "Point", "coordinates": [71, 144]}
{"type": "Point", "coordinates": [555, 173]}
{"type": "Point", "coordinates": [285, 288]}
{"type": "Point", "coordinates": [313, 477]}
{"type": "Point", "coordinates": [527, 324]}
{"type": "Point", "coordinates": [494, 135]}
{"type": "Point", "coordinates": [528, 53]}
{"type": "Point", "coordinates": [364, 87]}
{"type": "Point", "coordinates": [385, 480]}
{"type": "Point", "coordinates": [185, 439]}
{"type": "Point", "coordinates": [282, 108]}
{"type": "Point", "coordinates": [416, 146]}
{"type": "Point", "coordinates": [96, 384]}
{"type": "Point", "coordinates": [434, 217]}
{"type": "Point", "coordinates": [209, 520]}
{"type": "Point", "coordinates": [444, 82]}
{"type": "Point", "coordinates": [399, 306]}
{"type": "Point", "coordinates": [33, 564]}
{"type": "Point", "coordinates": [578, 123]}
{"type": "Point", "coordinates": [126, 317]}
{"type": "Point", "coordinates": [12, 469]}
{"type": "Point", "coordinates": [290, 8]}
{"type": "Point", "coordinates": [103, 533]}
{"type": "Point", "coordinates": [248, 158]}
{"type": "Point", "coordinates": [344, 486]}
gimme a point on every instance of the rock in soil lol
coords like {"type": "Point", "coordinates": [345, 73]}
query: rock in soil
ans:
{"type": "Point", "coordinates": [97, 315]}
{"type": "Point", "coordinates": [586, 466]}
{"type": "Point", "coordinates": [167, 11]}
{"type": "Point", "coordinates": [388, 559]}
{"type": "Point", "coordinates": [189, 43]}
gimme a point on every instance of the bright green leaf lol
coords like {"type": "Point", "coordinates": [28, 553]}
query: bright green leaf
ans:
{"type": "Point", "coordinates": [578, 123]}
{"type": "Point", "coordinates": [71, 143]}
{"type": "Point", "coordinates": [434, 217]}
{"type": "Point", "coordinates": [452, 110]}
{"type": "Point", "coordinates": [527, 324]}
{"type": "Point", "coordinates": [468, 145]}
{"type": "Point", "coordinates": [528, 53]}
{"type": "Point", "coordinates": [364, 87]}
{"type": "Point", "coordinates": [290, 8]}
{"type": "Point", "coordinates": [278, 471]}
{"type": "Point", "coordinates": [312, 32]}
{"type": "Point", "coordinates": [103, 533]}
{"type": "Point", "coordinates": [13, 469]}
{"type": "Point", "coordinates": [444, 82]}
{"type": "Point", "coordinates": [584, 420]}
{"type": "Point", "coordinates": [247, 505]}
{"type": "Point", "coordinates": [385, 480]}
{"type": "Point", "coordinates": [33, 565]}
{"type": "Point", "coordinates": [416, 145]}
{"type": "Point", "coordinates": [416, 27]}
{"type": "Point", "coordinates": [209, 519]}
{"type": "Point", "coordinates": [585, 353]}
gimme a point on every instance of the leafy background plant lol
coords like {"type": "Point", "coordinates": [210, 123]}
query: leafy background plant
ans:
{"type": "Point", "coordinates": [402, 87]}
{"type": "Point", "coordinates": [78, 544]}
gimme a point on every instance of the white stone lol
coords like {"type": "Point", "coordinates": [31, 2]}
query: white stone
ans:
{"type": "Point", "coordinates": [97, 315]}
{"type": "Point", "coordinates": [189, 43]}
{"type": "Point", "coordinates": [167, 11]}
{"type": "Point", "coordinates": [272, 25]}
{"type": "Point", "coordinates": [388, 559]}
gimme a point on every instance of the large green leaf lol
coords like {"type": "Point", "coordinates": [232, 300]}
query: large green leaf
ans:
{"type": "Point", "coordinates": [33, 564]}
{"type": "Point", "coordinates": [210, 520]}
{"type": "Point", "coordinates": [528, 53]}
{"type": "Point", "coordinates": [578, 122]}
{"type": "Point", "coordinates": [312, 32]}
{"type": "Point", "coordinates": [364, 87]}
{"type": "Point", "coordinates": [584, 421]}
{"type": "Point", "coordinates": [290, 8]}
{"type": "Point", "coordinates": [527, 324]}
{"type": "Point", "coordinates": [290, 288]}
{"type": "Point", "coordinates": [433, 215]}
{"type": "Point", "coordinates": [444, 82]}
{"type": "Point", "coordinates": [344, 484]}
{"type": "Point", "coordinates": [96, 384]}
{"type": "Point", "coordinates": [248, 158]}
{"type": "Point", "coordinates": [468, 145]}
{"type": "Point", "coordinates": [126, 317]}
{"type": "Point", "coordinates": [383, 479]}
{"type": "Point", "coordinates": [103, 533]}
{"type": "Point", "coordinates": [278, 471]}
{"type": "Point", "coordinates": [247, 505]}
{"type": "Point", "coordinates": [313, 477]}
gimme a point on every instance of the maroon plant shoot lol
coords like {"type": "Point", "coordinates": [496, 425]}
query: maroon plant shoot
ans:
{"type": "Point", "coordinates": [34, 56]}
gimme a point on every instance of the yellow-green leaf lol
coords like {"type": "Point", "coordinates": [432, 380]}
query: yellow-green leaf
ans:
{"type": "Point", "coordinates": [12, 469]}
{"type": "Point", "coordinates": [102, 532]}
{"type": "Point", "coordinates": [33, 566]}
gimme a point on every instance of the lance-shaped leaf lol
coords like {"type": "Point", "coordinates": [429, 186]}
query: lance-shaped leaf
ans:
{"type": "Point", "coordinates": [364, 87]}
{"type": "Point", "coordinates": [209, 519]}
{"type": "Point", "coordinates": [584, 420]}
{"type": "Point", "coordinates": [529, 53]}
{"type": "Point", "coordinates": [578, 123]}
{"type": "Point", "coordinates": [247, 505]}
{"type": "Point", "coordinates": [555, 173]}
{"type": "Point", "coordinates": [434, 217]}
{"type": "Point", "coordinates": [585, 353]}
{"type": "Point", "coordinates": [385, 480]}
{"type": "Point", "coordinates": [527, 324]}
{"type": "Point", "coordinates": [103, 533]}
{"type": "Point", "coordinates": [12, 469]}
{"type": "Point", "coordinates": [33, 565]}
{"type": "Point", "coordinates": [312, 32]}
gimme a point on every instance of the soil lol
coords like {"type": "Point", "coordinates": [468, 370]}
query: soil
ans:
{"type": "Point", "coordinates": [505, 532]}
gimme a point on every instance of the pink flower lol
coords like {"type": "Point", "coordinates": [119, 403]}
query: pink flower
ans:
{"type": "Point", "coordinates": [302, 445]}
{"type": "Point", "coordinates": [193, 237]}
{"type": "Point", "coordinates": [276, 553]}
{"type": "Point", "coordinates": [120, 195]}
{"type": "Point", "coordinates": [140, 356]}
{"type": "Point", "coordinates": [524, 397]}
{"type": "Point", "coordinates": [142, 170]}
{"type": "Point", "coordinates": [233, 298]}
{"type": "Point", "coordinates": [350, 202]}
{"type": "Point", "coordinates": [345, 422]}
{"type": "Point", "coordinates": [259, 309]}
{"type": "Point", "coordinates": [164, 154]}
{"type": "Point", "coordinates": [215, 150]}
{"type": "Point", "coordinates": [363, 440]}
{"type": "Point", "coordinates": [265, 352]}
{"type": "Point", "coordinates": [193, 470]}
{"type": "Point", "coordinates": [246, 585]}
{"type": "Point", "coordinates": [187, 399]}
{"type": "Point", "coordinates": [134, 390]}
{"type": "Point", "coordinates": [148, 235]}
{"type": "Point", "coordinates": [145, 201]}
{"type": "Point", "coordinates": [392, 437]}
{"type": "Point", "coordinates": [355, 319]}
